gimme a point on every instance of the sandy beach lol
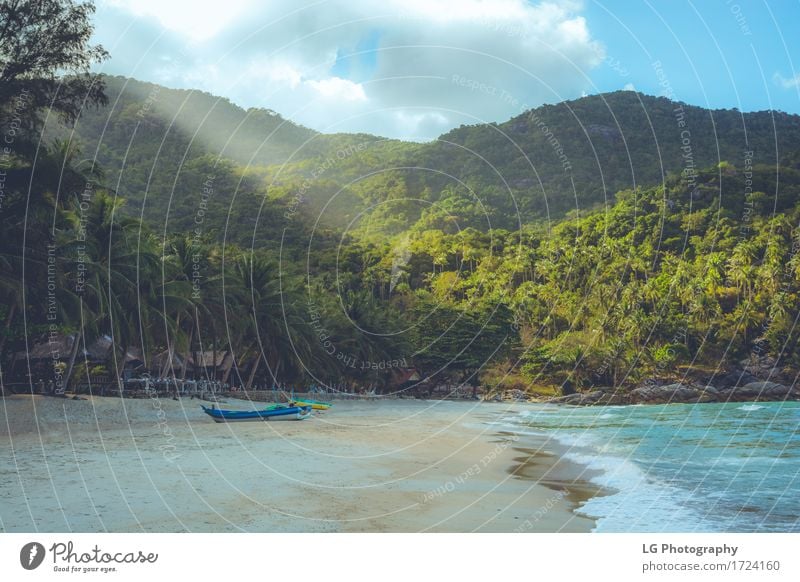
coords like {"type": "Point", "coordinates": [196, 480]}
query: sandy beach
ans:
{"type": "Point", "coordinates": [107, 464]}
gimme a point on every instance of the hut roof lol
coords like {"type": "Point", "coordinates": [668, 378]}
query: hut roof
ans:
{"type": "Point", "coordinates": [403, 375]}
{"type": "Point", "coordinates": [50, 347]}
{"type": "Point", "coordinates": [206, 359]}
{"type": "Point", "coordinates": [133, 354]}
{"type": "Point", "coordinates": [99, 349]}
{"type": "Point", "coordinates": [159, 360]}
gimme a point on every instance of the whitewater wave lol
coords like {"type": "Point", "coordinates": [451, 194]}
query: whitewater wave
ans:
{"type": "Point", "coordinates": [636, 502]}
{"type": "Point", "coordinates": [749, 407]}
{"type": "Point", "coordinates": [632, 500]}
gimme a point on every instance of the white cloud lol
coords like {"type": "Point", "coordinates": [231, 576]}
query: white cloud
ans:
{"type": "Point", "coordinates": [629, 87]}
{"type": "Point", "coordinates": [195, 20]}
{"type": "Point", "coordinates": [276, 71]}
{"type": "Point", "coordinates": [338, 88]}
{"type": "Point", "coordinates": [389, 68]}
{"type": "Point", "coordinates": [789, 83]}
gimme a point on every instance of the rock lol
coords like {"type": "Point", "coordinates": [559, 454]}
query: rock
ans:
{"type": "Point", "coordinates": [756, 362]}
{"type": "Point", "coordinates": [761, 391]}
{"type": "Point", "coordinates": [654, 394]}
{"type": "Point", "coordinates": [594, 398]}
{"type": "Point", "coordinates": [673, 393]}
{"type": "Point", "coordinates": [683, 393]}
{"type": "Point", "coordinates": [760, 367]}
{"type": "Point", "coordinates": [708, 394]}
{"type": "Point", "coordinates": [514, 395]}
{"type": "Point", "coordinates": [735, 378]}
{"type": "Point", "coordinates": [568, 399]}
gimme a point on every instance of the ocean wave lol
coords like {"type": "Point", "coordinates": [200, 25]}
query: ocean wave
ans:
{"type": "Point", "coordinates": [533, 412]}
{"type": "Point", "coordinates": [633, 501]}
{"type": "Point", "coordinates": [669, 473]}
{"type": "Point", "coordinates": [636, 502]}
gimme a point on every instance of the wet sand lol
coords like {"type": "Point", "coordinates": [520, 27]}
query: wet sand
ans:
{"type": "Point", "coordinates": [107, 464]}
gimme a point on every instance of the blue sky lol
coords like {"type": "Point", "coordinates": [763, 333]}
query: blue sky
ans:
{"type": "Point", "coordinates": [718, 54]}
{"type": "Point", "coordinates": [414, 69]}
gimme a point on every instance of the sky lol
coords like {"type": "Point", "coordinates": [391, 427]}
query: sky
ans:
{"type": "Point", "coordinates": [414, 69]}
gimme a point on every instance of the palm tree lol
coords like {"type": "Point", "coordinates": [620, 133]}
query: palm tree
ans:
{"type": "Point", "coordinates": [99, 244]}
{"type": "Point", "coordinates": [740, 268]}
{"type": "Point", "coordinates": [276, 326]}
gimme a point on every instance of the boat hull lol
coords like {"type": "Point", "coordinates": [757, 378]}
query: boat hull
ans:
{"type": "Point", "coordinates": [268, 414]}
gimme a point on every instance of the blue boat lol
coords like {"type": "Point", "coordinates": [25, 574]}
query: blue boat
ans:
{"type": "Point", "coordinates": [270, 413]}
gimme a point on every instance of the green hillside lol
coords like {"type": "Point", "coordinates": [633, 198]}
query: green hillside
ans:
{"type": "Point", "coordinates": [158, 146]}
{"type": "Point", "coordinates": [156, 143]}
{"type": "Point", "coordinates": [606, 143]}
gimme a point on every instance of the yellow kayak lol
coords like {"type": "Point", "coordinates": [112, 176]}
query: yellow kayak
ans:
{"type": "Point", "coordinates": [314, 404]}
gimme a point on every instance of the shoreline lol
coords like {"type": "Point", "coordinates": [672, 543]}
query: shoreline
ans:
{"type": "Point", "coordinates": [647, 394]}
{"type": "Point", "coordinates": [111, 464]}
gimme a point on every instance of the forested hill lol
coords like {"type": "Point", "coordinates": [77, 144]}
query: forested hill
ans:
{"type": "Point", "coordinates": [606, 143]}
{"type": "Point", "coordinates": [158, 145]}
{"type": "Point", "coordinates": [538, 165]}
{"type": "Point", "coordinates": [256, 136]}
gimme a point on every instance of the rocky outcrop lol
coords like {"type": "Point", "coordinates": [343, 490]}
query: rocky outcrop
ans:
{"type": "Point", "coordinates": [596, 398]}
{"type": "Point", "coordinates": [750, 370]}
{"type": "Point", "coordinates": [673, 393]}
{"type": "Point", "coordinates": [734, 379]}
{"type": "Point", "coordinates": [760, 367]}
{"type": "Point", "coordinates": [684, 393]}
{"type": "Point", "coordinates": [514, 395]}
{"type": "Point", "coordinates": [764, 391]}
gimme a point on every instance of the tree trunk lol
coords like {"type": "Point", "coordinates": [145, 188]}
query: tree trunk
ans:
{"type": "Point", "coordinates": [195, 322]}
{"type": "Point", "coordinates": [214, 353]}
{"type": "Point", "coordinates": [253, 372]}
{"type": "Point", "coordinates": [110, 365]}
{"type": "Point", "coordinates": [275, 375]}
{"type": "Point", "coordinates": [188, 349]}
{"type": "Point", "coordinates": [167, 361]}
{"type": "Point", "coordinates": [71, 365]}
{"type": "Point", "coordinates": [227, 372]}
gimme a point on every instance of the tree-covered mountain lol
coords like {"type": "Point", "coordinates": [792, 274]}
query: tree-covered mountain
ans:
{"type": "Point", "coordinates": [605, 143]}
{"type": "Point", "coordinates": [155, 143]}
{"type": "Point", "coordinates": [158, 146]}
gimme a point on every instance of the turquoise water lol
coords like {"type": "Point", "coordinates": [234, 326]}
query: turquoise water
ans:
{"type": "Point", "coordinates": [683, 467]}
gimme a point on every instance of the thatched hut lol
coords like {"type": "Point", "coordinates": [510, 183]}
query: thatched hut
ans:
{"type": "Point", "coordinates": [53, 347]}
{"type": "Point", "coordinates": [99, 351]}
{"type": "Point", "coordinates": [132, 363]}
{"type": "Point", "coordinates": [208, 364]}
{"type": "Point", "coordinates": [167, 363]}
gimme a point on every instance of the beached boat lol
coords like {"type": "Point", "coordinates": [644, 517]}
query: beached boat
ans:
{"type": "Point", "coordinates": [277, 412]}
{"type": "Point", "coordinates": [314, 404]}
